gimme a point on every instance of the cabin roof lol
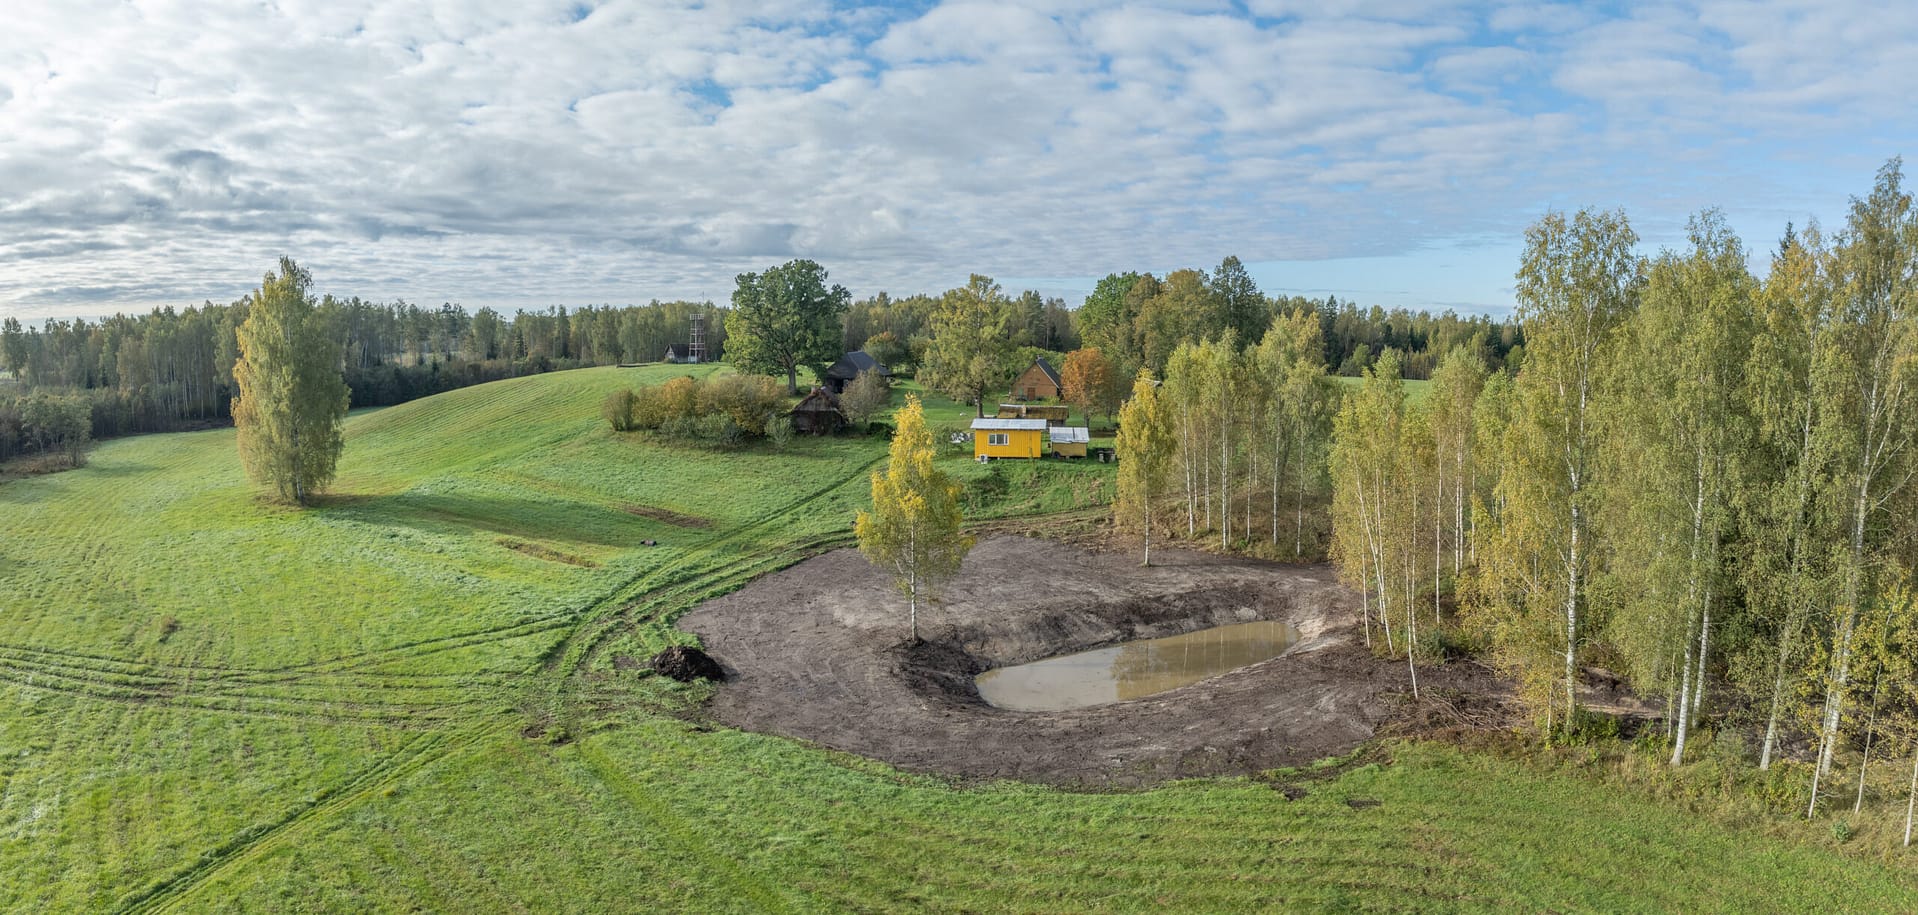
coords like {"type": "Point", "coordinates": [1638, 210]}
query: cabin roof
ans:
{"type": "Point", "coordinates": [995, 424]}
{"type": "Point", "coordinates": [819, 400]}
{"type": "Point", "coordinates": [851, 364]}
{"type": "Point", "coordinates": [1042, 365]}
{"type": "Point", "coordinates": [1071, 435]}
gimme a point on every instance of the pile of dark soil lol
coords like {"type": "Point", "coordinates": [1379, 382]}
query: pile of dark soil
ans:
{"type": "Point", "coordinates": [687, 664]}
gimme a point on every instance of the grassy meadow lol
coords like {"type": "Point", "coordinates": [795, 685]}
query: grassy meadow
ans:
{"type": "Point", "coordinates": [414, 697]}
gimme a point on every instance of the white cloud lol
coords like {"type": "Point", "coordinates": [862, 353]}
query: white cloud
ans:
{"type": "Point", "coordinates": [514, 153]}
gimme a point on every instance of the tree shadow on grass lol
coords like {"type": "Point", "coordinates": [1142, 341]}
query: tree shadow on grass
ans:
{"type": "Point", "coordinates": [552, 520]}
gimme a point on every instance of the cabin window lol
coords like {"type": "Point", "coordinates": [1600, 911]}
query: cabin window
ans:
{"type": "Point", "coordinates": [996, 438]}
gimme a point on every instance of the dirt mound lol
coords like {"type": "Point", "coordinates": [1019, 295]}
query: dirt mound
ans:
{"type": "Point", "coordinates": [687, 664]}
{"type": "Point", "coordinates": [822, 654]}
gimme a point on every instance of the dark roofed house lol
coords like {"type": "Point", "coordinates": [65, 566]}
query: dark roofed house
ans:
{"type": "Point", "coordinates": [1040, 382]}
{"type": "Point", "coordinates": [848, 368]}
{"type": "Point", "coordinates": [678, 352]}
{"type": "Point", "coordinates": [818, 414]}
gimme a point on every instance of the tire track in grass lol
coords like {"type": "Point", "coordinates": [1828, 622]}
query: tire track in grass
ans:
{"type": "Point", "coordinates": [763, 895]}
{"type": "Point", "coordinates": [87, 683]}
{"type": "Point", "coordinates": [251, 845]}
{"type": "Point", "coordinates": [604, 616]}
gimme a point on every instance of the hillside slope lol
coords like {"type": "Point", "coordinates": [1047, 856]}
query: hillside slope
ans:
{"type": "Point", "coordinates": [418, 697]}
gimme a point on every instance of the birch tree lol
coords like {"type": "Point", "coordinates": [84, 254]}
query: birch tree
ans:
{"type": "Point", "coordinates": [292, 399]}
{"type": "Point", "coordinates": [1578, 282]}
{"type": "Point", "coordinates": [1365, 443]}
{"type": "Point", "coordinates": [1866, 381]}
{"type": "Point", "coordinates": [1453, 398]}
{"type": "Point", "coordinates": [1784, 570]}
{"type": "Point", "coordinates": [1290, 365]}
{"type": "Point", "coordinates": [913, 529]}
{"type": "Point", "coordinates": [1675, 430]}
{"type": "Point", "coordinates": [1144, 447]}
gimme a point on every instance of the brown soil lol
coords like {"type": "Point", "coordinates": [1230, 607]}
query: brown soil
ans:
{"type": "Point", "coordinates": [547, 553]}
{"type": "Point", "coordinates": [666, 516]}
{"type": "Point", "coordinates": [818, 652]}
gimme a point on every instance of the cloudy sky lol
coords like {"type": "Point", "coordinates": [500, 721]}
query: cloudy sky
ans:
{"type": "Point", "coordinates": [525, 153]}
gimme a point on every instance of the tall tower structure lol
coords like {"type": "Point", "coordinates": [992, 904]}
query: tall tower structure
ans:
{"type": "Point", "coordinates": [696, 348]}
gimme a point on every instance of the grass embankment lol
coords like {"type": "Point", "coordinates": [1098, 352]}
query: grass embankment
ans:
{"type": "Point", "coordinates": [209, 702]}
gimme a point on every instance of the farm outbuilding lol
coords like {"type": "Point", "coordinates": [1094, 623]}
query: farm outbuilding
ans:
{"type": "Point", "coordinates": [1070, 441]}
{"type": "Point", "coordinates": [818, 413]}
{"type": "Point", "coordinates": [1056, 414]}
{"type": "Point", "coordinates": [1038, 382]}
{"type": "Point", "coordinates": [1008, 438]}
{"type": "Point", "coordinates": [848, 367]}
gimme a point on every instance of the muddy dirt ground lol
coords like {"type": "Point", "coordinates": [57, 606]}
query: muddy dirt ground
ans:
{"type": "Point", "coordinates": [819, 652]}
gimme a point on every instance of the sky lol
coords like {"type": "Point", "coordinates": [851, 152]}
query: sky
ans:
{"type": "Point", "coordinates": [526, 153]}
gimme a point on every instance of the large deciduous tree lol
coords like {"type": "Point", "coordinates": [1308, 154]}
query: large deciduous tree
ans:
{"type": "Point", "coordinates": [1108, 317]}
{"type": "Point", "coordinates": [1090, 383]}
{"type": "Point", "coordinates": [913, 529]}
{"type": "Point", "coordinates": [292, 399]}
{"type": "Point", "coordinates": [785, 318]}
{"type": "Point", "coordinates": [972, 342]}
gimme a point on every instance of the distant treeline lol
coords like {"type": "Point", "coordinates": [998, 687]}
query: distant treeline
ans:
{"type": "Point", "coordinates": [173, 369]}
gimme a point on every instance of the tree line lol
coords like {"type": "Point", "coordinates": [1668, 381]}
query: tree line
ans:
{"type": "Point", "coordinates": [173, 368]}
{"type": "Point", "coordinates": [1704, 480]}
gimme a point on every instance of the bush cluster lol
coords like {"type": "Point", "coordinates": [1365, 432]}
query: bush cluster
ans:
{"type": "Point", "coordinates": [55, 425]}
{"type": "Point", "coordinates": [724, 411]}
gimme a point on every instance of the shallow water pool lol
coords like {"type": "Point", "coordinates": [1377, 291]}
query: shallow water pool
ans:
{"type": "Point", "coordinates": [1133, 670]}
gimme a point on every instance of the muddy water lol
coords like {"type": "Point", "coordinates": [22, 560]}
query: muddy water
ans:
{"type": "Point", "coordinates": [1133, 669]}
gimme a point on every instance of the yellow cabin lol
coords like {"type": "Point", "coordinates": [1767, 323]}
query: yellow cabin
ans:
{"type": "Point", "coordinates": [1008, 438]}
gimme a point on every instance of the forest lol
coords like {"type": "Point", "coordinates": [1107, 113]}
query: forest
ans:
{"type": "Point", "coordinates": [1694, 481]}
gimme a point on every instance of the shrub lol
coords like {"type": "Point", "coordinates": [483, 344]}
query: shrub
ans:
{"type": "Point", "coordinates": [867, 395]}
{"type": "Point", "coordinates": [679, 398]}
{"type": "Point", "coordinates": [745, 399]}
{"type": "Point", "coordinates": [779, 430]}
{"type": "Point", "coordinates": [719, 430]}
{"type": "Point", "coordinates": [617, 409]}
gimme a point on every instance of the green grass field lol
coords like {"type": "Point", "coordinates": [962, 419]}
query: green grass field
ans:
{"type": "Point", "coordinates": [407, 699]}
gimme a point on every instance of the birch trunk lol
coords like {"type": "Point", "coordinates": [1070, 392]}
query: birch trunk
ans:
{"type": "Point", "coordinates": [1864, 765]}
{"type": "Point", "coordinates": [1911, 797]}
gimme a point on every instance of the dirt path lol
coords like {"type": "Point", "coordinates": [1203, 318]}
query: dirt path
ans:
{"type": "Point", "coordinates": [816, 652]}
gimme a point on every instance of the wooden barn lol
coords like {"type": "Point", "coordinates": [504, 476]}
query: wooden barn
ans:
{"type": "Point", "coordinates": [1070, 441]}
{"type": "Point", "coordinates": [818, 414]}
{"type": "Point", "coordinates": [848, 367]}
{"type": "Point", "coordinates": [1008, 438]}
{"type": "Point", "coordinates": [1056, 414]}
{"type": "Point", "coordinates": [1039, 382]}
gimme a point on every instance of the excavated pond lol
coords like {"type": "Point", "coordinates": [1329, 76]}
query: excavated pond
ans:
{"type": "Point", "coordinates": [1133, 670]}
{"type": "Point", "coordinates": [820, 652]}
